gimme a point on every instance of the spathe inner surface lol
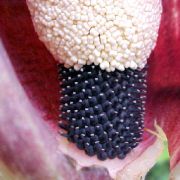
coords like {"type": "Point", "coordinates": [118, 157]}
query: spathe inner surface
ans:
{"type": "Point", "coordinates": [37, 72]}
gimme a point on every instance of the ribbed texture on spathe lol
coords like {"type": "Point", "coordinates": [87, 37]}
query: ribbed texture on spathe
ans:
{"type": "Point", "coordinates": [102, 112]}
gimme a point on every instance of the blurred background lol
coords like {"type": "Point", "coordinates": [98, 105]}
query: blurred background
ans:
{"type": "Point", "coordinates": [161, 170]}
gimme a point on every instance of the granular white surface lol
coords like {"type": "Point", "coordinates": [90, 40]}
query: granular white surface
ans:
{"type": "Point", "coordinates": [115, 34]}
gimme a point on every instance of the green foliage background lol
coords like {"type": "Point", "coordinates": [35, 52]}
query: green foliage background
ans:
{"type": "Point", "coordinates": [161, 170]}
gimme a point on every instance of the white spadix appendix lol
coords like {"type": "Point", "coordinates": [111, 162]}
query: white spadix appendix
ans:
{"type": "Point", "coordinates": [101, 47]}
{"type": "Point", "coordinates": [114, 34]}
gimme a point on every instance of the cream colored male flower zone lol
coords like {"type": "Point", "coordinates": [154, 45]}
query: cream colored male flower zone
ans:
{"type": "Point", "coordinates": [113, 33]}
